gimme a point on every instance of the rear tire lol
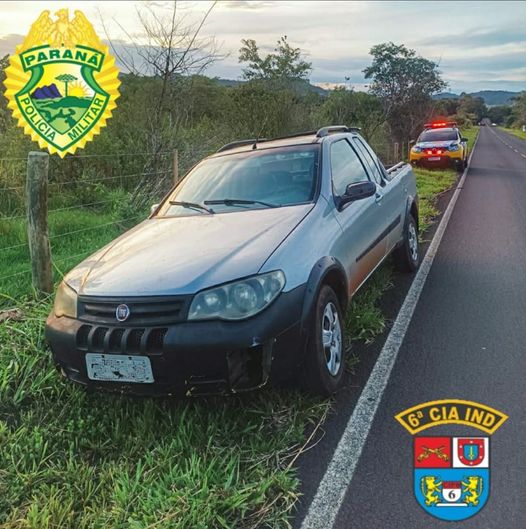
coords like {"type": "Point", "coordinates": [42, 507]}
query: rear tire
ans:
{"type": "Point", "coordinates": [407, 256]}
{"type": "Point", "coordinates": [324, 366]}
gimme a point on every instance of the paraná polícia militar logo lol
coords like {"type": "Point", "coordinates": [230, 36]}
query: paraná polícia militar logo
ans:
{"type": "Point", "coordinates": [62, 82]}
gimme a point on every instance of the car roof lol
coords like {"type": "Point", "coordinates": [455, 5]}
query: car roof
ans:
{"type": "Point", "coordinates": [271, 144]}
{"type": "Point", "coordinates": [302, 138]}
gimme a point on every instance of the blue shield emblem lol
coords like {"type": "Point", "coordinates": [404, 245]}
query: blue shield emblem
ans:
{"type": "Point", "coordinates": [451, 475]}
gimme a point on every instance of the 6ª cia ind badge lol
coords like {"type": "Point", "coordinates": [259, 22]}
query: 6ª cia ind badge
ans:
{"type": "Point", "coordinates": [62, 82]}
{"type": "Point", "coordinates": [451, 475]}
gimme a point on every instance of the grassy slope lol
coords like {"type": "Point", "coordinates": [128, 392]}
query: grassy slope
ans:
{"type": "Point", "coordinates": [73, 460]}
{"type": "Point", "coordinates": [516, 132]}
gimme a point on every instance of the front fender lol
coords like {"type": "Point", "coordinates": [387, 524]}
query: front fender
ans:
{"type": "Point", "coordinates": [326, 270]}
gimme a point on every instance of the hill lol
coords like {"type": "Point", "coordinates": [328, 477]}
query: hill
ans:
{"type": "Point", "coordinates": [491, 97]}
{"type": "Point", "coordinates": [301, 86]}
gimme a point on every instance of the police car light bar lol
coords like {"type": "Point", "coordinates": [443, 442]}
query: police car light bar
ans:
{"type": "Point", "coordinates": [440, 124]}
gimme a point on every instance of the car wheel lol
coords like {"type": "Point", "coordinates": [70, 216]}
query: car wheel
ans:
{"type": "Point", "coordinates": [407, 256]}
{"type": "Point", "coordinates": [324, 365]}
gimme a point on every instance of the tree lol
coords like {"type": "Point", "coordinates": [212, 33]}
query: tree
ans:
{"type": "Point", "coordinates": [286, 64]}
{"type": "Point", "coordinates": [500, 114]}
{"type": "Point", "coordinates": [347, 107]}
{"type": "Point", "coordinates": [404, 82]}
{"type": "Point", "coordinates": [473, 108]}
{"type": "Point", "coordinates": [66, 78]}
{"type": "Point", "coordinates": [518, 110]}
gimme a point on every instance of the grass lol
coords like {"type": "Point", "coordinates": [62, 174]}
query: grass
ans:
{"type": "Point", "coordinates": [470, 133]}
{"type": "Point", "coordinates": [431, 184]}
{"type": "Point", "coordinates": [516, 132]}
{"type": "Point", "coordinates": [73, 460]}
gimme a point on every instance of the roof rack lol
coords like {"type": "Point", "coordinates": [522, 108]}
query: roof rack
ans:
{"type": "Point", "coordinates": [325, 131]}
{"type": "Point", "coordinates": [321, 133]}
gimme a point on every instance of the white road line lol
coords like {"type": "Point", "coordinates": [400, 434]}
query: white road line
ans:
{"type": "Point", "coordinates": [333, 486]}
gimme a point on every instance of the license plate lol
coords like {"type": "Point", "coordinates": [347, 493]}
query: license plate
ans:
{"type": "Point", "coordinates": [119, 368]}
{"type": "Point", "coordinates": [434, 158]}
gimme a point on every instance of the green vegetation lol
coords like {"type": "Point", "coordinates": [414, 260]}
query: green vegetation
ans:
{"type": "Point", "coordinates": [471, 134]}
{"type": "Point", "coordinates": [431, 184]}
{"type": "Point", "coordinates": [516, 132]}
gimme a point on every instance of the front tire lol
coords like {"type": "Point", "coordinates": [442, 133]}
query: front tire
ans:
{"type": "Point", "coordinates": [407, 256]}
{"type": "Point", "coordinates": [324, 366]}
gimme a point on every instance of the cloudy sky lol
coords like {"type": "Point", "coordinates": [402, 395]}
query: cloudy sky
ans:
{"type": "Point", "coordinates": [479, 45]}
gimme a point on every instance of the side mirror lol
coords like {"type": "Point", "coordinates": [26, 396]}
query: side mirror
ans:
{"type": "Point", "coordinates": [153, 209]}
{"type": "Point", "coordinates": [464, 140]}
{"type": "Point", "coordinates": [357, 191]}
{"type": "Point", "coordinates": [412, 142]}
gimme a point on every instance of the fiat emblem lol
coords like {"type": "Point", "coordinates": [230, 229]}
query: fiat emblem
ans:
{"type": "Point", "coordinates": [122, 312]}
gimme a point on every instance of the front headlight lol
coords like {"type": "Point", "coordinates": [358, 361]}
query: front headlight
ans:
{"type": "Point", "coordinates": [238, 300]}
{"type": "Point", "coordinates": [454, 147]}
{"type": "Point", "coordinates": [65, 302]}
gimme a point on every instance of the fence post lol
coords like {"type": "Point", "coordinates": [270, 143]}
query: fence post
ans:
{"type": "Point", "coordinates": [396, 153]}
{"type": "Point", "coordinates": [176, 166]}
{"type": "Point", "coordinates": [37, 225]}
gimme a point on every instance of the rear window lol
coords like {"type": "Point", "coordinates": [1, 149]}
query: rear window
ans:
{"type": "Point", "coordinates": [438, 135]}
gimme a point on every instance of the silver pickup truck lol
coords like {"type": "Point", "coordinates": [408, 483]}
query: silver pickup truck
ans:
{"type": "Point", "coordinates": [243, 272]}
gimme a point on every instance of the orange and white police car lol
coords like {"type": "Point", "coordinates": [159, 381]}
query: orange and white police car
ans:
{"type": "Point", "coordinates": [440, 144]}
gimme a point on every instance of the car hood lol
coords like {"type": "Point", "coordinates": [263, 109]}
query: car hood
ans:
{"type": "Point", "coordinates": [182, 255]}
{"type": "Point", "coordinates": [437, 144]}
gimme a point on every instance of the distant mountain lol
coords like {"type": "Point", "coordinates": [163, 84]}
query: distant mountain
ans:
{"type": "Point", "coordinates": [491, 97]}
{"type": "Point", "coordinates": [446, 95]}
{"type": "Point", "coordinates": [496, 97]}
{"type": "Point", "coordinates": [46, 92]}
{"type": "Point", "coordinates": [301, 86]}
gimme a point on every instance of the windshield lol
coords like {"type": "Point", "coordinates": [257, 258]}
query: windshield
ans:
{"type": "Point", "coordinates": [248, 180]}
{"type": "Point", "coordinates": [438, 135]}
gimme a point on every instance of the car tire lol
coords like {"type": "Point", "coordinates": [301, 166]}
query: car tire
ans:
{"type": "Point", "coordinates": [407, 256]}
{"type": "Point", "coordinates": [323, 369]}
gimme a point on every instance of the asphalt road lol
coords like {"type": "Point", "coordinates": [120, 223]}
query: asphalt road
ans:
{"type": "Point", "coordinates": [467, 340]}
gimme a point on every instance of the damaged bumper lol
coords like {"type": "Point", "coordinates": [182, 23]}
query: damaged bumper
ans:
{"type": "Point", "coordinates": [188, 358]}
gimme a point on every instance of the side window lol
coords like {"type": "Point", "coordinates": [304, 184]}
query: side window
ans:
{"type": "Point", "coordinates": [346, 167]}
{"type": "Point", "coordinates": [369, 160]}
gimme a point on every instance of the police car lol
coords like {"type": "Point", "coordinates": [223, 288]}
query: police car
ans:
{"type": "Point", "coordinates": [440, 144]}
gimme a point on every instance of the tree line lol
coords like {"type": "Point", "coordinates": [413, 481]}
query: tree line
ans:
{"type": "Point", "coordinates": [168, 103]}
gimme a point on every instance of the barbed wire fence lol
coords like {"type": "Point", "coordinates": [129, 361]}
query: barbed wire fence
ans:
{"type": "Point", "coordinates": [119, 188]}
{"type": "Point", "coordinates": [116, 188]}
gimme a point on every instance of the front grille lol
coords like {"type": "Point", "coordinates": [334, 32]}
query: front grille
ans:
{"type": "Point", "coordinates": [154, 311]}
{"type": "Point", "coordinates": [121, 340]}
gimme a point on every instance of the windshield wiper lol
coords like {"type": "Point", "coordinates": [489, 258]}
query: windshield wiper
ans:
{"type": "Point", "coordinates": [193, 205]}
{"type": "Point", "coordinates": [240, 201]}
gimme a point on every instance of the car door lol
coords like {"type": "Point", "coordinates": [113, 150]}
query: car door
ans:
{"type": "Point", "coordinates": [393, 193]}
{"type": "Point", "coordinates": [362, 221]}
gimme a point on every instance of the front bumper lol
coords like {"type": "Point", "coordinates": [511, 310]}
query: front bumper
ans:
{"type": "Point", "coordinates": [199, 357]}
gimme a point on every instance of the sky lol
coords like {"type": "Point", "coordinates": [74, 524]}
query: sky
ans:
{"type": "Point", "coordinates": [478, 45]}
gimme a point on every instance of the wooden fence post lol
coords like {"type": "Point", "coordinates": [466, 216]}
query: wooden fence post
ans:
{"type": "Point", "coordinates": [176, 167]}
{"type": "Point", "coordinates": [37, 222]}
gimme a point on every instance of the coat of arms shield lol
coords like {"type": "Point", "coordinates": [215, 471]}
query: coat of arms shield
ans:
{"type": "Point", "coordinates": [451, 475]}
